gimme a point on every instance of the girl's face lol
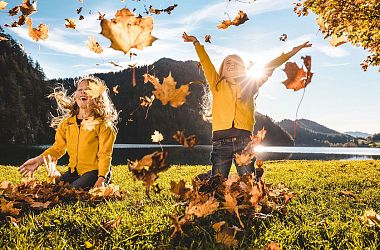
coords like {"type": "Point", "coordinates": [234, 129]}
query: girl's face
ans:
{"type": "Point", "coordinates": [233, 67]}
{"type": "Point", "coordinates": [81, 97]}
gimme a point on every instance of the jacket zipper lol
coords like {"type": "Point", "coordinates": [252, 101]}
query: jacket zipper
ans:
{"type": "Point", "coordinates": [76, 164]}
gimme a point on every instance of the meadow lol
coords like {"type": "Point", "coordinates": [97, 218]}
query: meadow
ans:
{"type": "Point", "coordinates": [321, 216]}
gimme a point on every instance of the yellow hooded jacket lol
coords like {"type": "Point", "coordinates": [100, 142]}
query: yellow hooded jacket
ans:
{"type": "Point", "coordinates": [88, 149]}
{"type": "Point", "coordinates": [228, 105]}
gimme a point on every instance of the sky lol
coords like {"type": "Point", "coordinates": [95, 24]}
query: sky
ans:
{"type": "Point", "coordinates": [341, 96]}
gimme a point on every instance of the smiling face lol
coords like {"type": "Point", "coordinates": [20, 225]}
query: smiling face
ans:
{"type": "Point", "coordinates": [232, 66]}
{"type": "Point", "coordinates": [81, 97]}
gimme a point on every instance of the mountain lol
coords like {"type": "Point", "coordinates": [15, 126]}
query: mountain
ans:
{"type": "Point", "coordinates": [25, 109]}
{"type": "Point", "coordinates": [358, 134]}
{"type": "Point", "coordinates": [310, 133]}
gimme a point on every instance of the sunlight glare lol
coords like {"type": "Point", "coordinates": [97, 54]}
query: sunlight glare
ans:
{"type": "Point", "coordinates": [256, 71]}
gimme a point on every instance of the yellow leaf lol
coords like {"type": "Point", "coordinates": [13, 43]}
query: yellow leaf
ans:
{"type": "Point", "coordinates": [337, 41]}
{"type": "Point", "coordinates": [3, 5]}
{"type": "Point", "coordinates": [70, 23]}
{"type": "Point", "coordinates": [88, 244]}
{"type": "Point", "coordinates": [157, 136]}
{"type": "Point", "coordinates": [126, 31]}
{"type": "Point", "coordinates": [37, 33]}
{"type": "Point", "coordinates": [94, 46]}
{"type": "Point", "coordinates": [95, 89]}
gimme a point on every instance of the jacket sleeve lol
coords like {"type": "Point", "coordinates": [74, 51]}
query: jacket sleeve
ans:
{"type": "Point", "coordinates": [107, 136]}
{"type": "Point", "coordinates": [58, 149]}
{"type": "Point", "coordinates": [270, 67]}
{"type": "Point", "coordinates": [211, 75]}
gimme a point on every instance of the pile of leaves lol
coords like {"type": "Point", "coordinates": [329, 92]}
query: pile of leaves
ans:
{"type": "Point", "coordinates": [237, 200]}
{"type": "Point", "coordinates": [39, 195]}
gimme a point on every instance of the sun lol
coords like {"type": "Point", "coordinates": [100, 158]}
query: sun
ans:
{"type": "Point", "coordinates": [256, 71]}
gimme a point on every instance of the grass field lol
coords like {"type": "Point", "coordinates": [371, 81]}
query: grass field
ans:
{"type": "Point", "coordinates": [318, 218]}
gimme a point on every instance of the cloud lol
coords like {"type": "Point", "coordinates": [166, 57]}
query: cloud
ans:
{"type": "Point", "coordinates": [330, 50]}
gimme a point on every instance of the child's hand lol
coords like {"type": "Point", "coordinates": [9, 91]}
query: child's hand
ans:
{"type": "Point", "coordinates": [187, 38]}
{"type": "Point", "coordinates": [304, 45]}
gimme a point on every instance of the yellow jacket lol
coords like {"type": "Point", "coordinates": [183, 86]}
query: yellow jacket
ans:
{"type": "Point", "coordinates": [88, 149]}
{"type": "Point", "coordinates": [228, 105]}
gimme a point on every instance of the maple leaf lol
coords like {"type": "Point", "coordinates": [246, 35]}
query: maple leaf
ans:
{"type": "Point", "coordinates": [337, 41]}
{"type": "Point", "coordinates": [110, 191]}
{"type": "Point", "coordinates": [243, 159]}
{"type": "Point", "coordinates": [14, 11]}
{"type": "Point", "coordinates": [126, 31]}
{"type": "Point", "coordinates": [227, 238]}
{"type": "Point", "coordinates": [95, 89]}
{"type": "Point", "coordinates": [207, 38]}
{"type": "Point", "coordinates": [7, 208]}
{"type": "Point", "coordinates": [167, 92]}
{"type": "Point", "coordinates": [283, 37]}
{"type": "Point", "coordinates": [3, 5]}
{"type": "Point", "coordinates": [146, 101]}
{"type": "Point", "coordinates": [297, 77]}
{"type": "Point", "coordinates": [202, 209]}
{"type": "Point", "coordinates": [180, 189]}
{"type": "Point", "coordinates": [51, 167]}
{"type": "Point", "coordinates": [90, 123]}
{"type": "Point", "coordinates": [239, 19]}
{"type": "Point", "coordinates": [101, 16]}
{"type": "Point", "coordinates": [115, 89]}
{"type": "Point", "coordinates": [70, 23]}
{"type": "Point", "coordinates": [3, 38]}
{"type": "Point", "coordinates": [157, 136]}
{"type": "Point", "coordinates": [94, 46]}
{"type": "Point", "coordinates": [28, 8]}
{"type": "Point", "coordinates": [187, 142]}
{"type": "Point", "coordinates": [231, 205]}
{"type": "Point", "coordinates": [37, 33]}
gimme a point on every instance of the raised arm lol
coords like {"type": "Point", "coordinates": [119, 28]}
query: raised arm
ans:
{"type": "Point", "coordinates": [211, 74]}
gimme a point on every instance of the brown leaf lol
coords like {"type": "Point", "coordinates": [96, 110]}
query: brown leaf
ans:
{"type": "Point", "coordinates": [7, 208]}
{"type": "Point", "coordinates": [243, 159]}
{"type": "Point", "coordinates": [180, 189]}
{"type": "Point", "coordinates": [112, 224]}
{"type": "Point", "coordinates": [14, 11]}
{"type": "Point", "coordinates": [94, 46]}
{"type": "Point", "coordinates": [347, 193]}
{"type": "Point", "coordinates": [70, 23]}
{"type": "Point", "coordinates": [207, 38]}
{"type": "Point", "coordinates": [218, 226]}
{"type": "Point", "coordinates": [158, 11]}
{"type": "Point", "coordinates": [126, 31]}
{"type": "Point", "coordinates": [101, 16]}
{"type": "Point", "coordinates": [115, 64]}
{"type": "Point", "coordinates": [37, 33]}
{"type": "Point", "coordinates": [283, 37]}
{"type": "Point", "coordinates": [239, 19]}
{"type": "Point", "coordinates": [79, 10]}
{"type": "Point", "coordinates": [146, 101]}
{"type": "Point", "coordinates": [371, 218]}
{"type": "Point", "coordinates": [176, 224]}
{"type": "Point", "coordinates": [187, 142]}
{"type": "Point", "coordinates": [227, 238]}
{"type": "Point", "coordinates": [296, 76]}
{"type": "Point", "coordinates": [28, 8]}
{"type": "Point", "coordinates": [202, 209]}
{"type": "Point", "coordinates": [40, 205]}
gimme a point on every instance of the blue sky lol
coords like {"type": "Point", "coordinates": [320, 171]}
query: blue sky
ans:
{"type": "Point", "coordinates": [341, 96]}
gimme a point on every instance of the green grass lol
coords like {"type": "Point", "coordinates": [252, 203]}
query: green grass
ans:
{"type": "Point", "coordinates": [318, 218]}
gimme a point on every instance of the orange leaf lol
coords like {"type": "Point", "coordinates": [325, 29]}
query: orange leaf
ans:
{"type": "Point", "coordinates": [239, 19]}
{"type": "Point", "coordinates": [272, 246]}
{"type": "Point", "coordinates": [297, 77]}
{"type": "Point", "coordinates": [3, 5]}
{"type": "Point", "coordinates": [37, 33]}
{"type": "Point", "coordinates": [126, 31]}
{"type": "Point", "coordinates": [70, 23]}
{"type": "Point", "coordinates": [202, 209]}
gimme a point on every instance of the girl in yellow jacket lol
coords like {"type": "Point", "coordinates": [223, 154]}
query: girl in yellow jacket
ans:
{"type": "Point", "coordinates": [86, 130]}
{"type": "Point", "coordinates": [233, 105]}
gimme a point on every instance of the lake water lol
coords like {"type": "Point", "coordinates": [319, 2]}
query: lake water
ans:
{"type": "Point", "coordinates": [16, 155]}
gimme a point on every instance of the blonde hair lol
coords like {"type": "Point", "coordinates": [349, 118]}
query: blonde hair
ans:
{"type": "Point", "coordinates": [103, 107]}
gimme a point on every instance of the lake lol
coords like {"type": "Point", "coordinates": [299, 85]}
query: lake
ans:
{"type": "Point", "coordinates": [200, 154]}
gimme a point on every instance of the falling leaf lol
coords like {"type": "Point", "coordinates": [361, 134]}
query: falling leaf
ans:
{"type": "Point", "coordinates": [158, 11]}
{"type": "Point", "coordinates": [187, 142]}
{"type": "Point", "coordinates": [3, 38]}
{"type": "Point", "coordinates": [94, 46]}
{"type": "Point", "coordinates": [3, 5]}
{"type": "Point", "coordinates": [337, 41]}
{"type": "Point", "coordinates": [176, 224]}
{"type": "Point", "coordinates": [180, 189]}
{"type": "Point", "coordinates": [37, 33]}
{"type": "Point", "coordinates": [239, 19]}
{"type": "Point", "coordinates": [101, 16]}
{"type": "Point", "coordinates": [89, 123]}
{"type": "Point", "coordinates": [167, 92]}
{"type": "Point", "coordinates": [115, 89]}
{"type": "Point", "coordinates": [81, 17]}
{"type": "Point", "coordinates": [115, 64]}
{"type": "Point", "coordinates": [95, 89]}
{"type": "Point", "coordinates": [51, 167]}
{"type": "Point", "coordinates": [243, 159]}
{"type": "Point", "coordinates": [79, 10]}
{"type": "Point", "coordinates": [321, 24]}
{"type": "Point", "coordinates": [14, 11]}
{"type": "Point", "coordinates": [126, 31]}
{"type": "Point", "coordinates": [70, 23]}
{"type": "Point", "coordinates": [208, 38]}
{"type": "Point", "coordinates": [296, 76]}
{"type": "Point", "coordinates": [283, 37]}
{"type": "Point", "coordinates": [28, 8]}
{"type": "Point", "coordinates": [157, 137]}
{"type": "Point", "coordinates": [146, 101]}
{"type": "Point", "coordinates": [131, 54]}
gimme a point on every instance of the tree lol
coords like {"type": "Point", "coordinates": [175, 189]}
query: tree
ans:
{"type": "Point", "coordinates": [357, 20]}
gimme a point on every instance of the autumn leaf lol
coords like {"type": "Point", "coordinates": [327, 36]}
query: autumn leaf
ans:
{"type": "Point", "coordinates": [180, 189]}
{"type": "Point", "coordinates": [79, 10]}
{"type": "Point", "coordinates": [51, 167]}
{"type": "Point", "coordinates": [101, 16]}
{"type": "Point", "coordinates": [37, 33]}
{"type": "Point", "coordinates": [112, 224]}
{"type": "Point", "coordinates": [70, 23]}
{"type": "Point", "coordinates": [115, 64]}
{"type": "Point", "coordinates": [7, 208]}
{"type": "Point", "coordinates": [346, 193]}
{"type": "Point", "coordinates": [89, 123]}
{"type": "Point", "coordinates": [40, 205]}
{"type": "Point", "coordinates": [107, 192]}
{"type": "Point", "coordinates": [3, 38]}
{"type": "Point", "coordinates": [126, 31]}
{"type": "Point", "coordinates": [158, 11]}
{"type": "Point", "coordinates": [115, 89]}
{"type": "Point", "coordinates": [231, 205]}
{"type": "Point", "coordinates": [146, 101]}
{"type": "Point", "coordinates": [202, 209]}
{"type": "Point", "coordinates": [243, 159]}
{"type": "Point", "coordinates": [176, 224]}
{"type": "Point", "coordinates": [94, 46]}
{"type": "Point", "coordinates": [157, 137]}
{"type": "Point", "coordinates": [187, 142]}
{"type": "Point", "coordinates": [298, 78]}
{"type": "Point", "coordinates": [239, 19]}
{"type": "Point", "coordinates": [207, 38]}
{"type": "Point", "coordinates": [283, 37]}
{"type": "Point", "coordinates": [337, 41]}
{"type": "Point", "coordinates": [95, 89]}
{"type": "Point", "coordinates": [227, 238]}
{"type": "Point", "coordinates": [3, 5]}
{"type": "Point", "coordinates": [28, 8]}
{"type": "Point", "coordinates": [14, 11]}
{"type": "Point", "coordinates": [81, 17]}
{"type": "Point", "coordinates": [371, 218]}
{"type": "Point", "coordinates": [217, 226]}
{"type": "Point", "coordinates": [272, 246]}
{"type": "Point", "coordinates": [167, 92]}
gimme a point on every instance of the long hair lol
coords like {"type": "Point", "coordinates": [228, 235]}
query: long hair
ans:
{"type": "Point", "coordinates": [102, 108]}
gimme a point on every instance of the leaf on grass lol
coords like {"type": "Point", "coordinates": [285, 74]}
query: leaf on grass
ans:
{"type": "Point", "coordinates": [371, 218]}
{"type": "Point", "coordinates": [5, 185]}
{"type": "Point", "coordinates": [126, 31]}
{"type": "Point", "coordinates": [7, 208]}
{"type": "Point", "coordinates": [37, 33]}
{"type": "Point", "coordinates": [218, 226]}
{"type": "Point", "coordinates": [180, 189]}
{"type": "Point", "coordinates": [157, 137]}
{"type": "Point", "coordinates": [176, 224]}
{"type": "Point", "coordinates": [187, 142]}
{"type": "Point", "coordinates": [167, 91]}
{"type": "Point", "coordinates": [347, 193]}
{"type": "Point", "coordinates": [110, 191]}
{"type": "Point", "coordinates": [70, 23]}
{"type": "Point", "coordinates": [112, 224]}
{"type": "Point", "coordinates": [202, 209]}
{"type": "Point", "coordinates": [272, 246]}
{"type": "Point", "coordinates": [226, 237]}
{"type": "Point", "coordinates": [40, 205]}
{"type": "Point", "coordinates": [93, 45]}
{"type": "Point", "coordinates": [3, 5]}
{"type": "Point", "coordinates": [239, 19]}
{"type": "Point", "coordinates": [95, 89]}
{"type": "Point", "coordinates": [89, 123]}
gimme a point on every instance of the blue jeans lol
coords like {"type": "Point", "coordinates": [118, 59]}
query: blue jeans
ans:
{"type": "Point", "coordinates": [85, 181]}
{"type": "Point", "coordinates": [222, 154]}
